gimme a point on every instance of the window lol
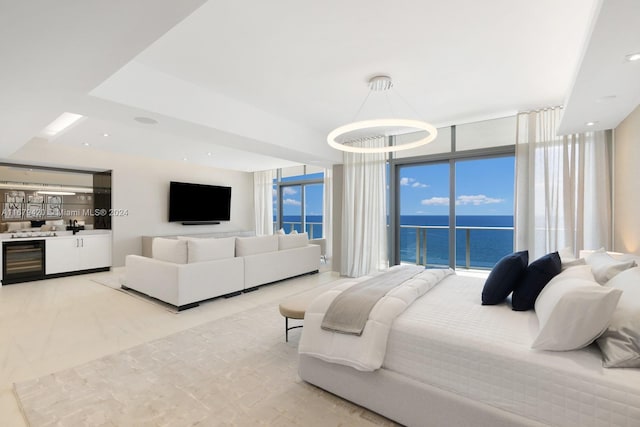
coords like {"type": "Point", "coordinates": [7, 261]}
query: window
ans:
{"type": "Point", "coordinates": [456, 208]}
{"type": "Point", "coordinates": [298, 200]}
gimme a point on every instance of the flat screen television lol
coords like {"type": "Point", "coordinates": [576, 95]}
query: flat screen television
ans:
{"type": "Point", "coordinates": [198, 203]}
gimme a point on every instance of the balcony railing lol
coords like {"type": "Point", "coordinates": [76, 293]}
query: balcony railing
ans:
{"type": "Point", "coordinates": [488, 245]}
{"type": "Point", "coordinates": [313, 229]}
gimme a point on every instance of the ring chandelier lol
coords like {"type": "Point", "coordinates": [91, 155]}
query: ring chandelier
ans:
{"type": "Point", "coordinates": [377, 126]}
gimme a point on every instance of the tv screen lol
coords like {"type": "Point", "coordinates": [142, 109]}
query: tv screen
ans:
{"type": "Point", "coordinates": [198, 202]}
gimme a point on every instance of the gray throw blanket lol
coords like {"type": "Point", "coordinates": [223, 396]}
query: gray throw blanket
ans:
{"type": "Point", "coordinates": [349, 311]}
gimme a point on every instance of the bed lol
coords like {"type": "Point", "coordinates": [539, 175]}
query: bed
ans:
{"type": "Point", "coordinates": [451, 361]}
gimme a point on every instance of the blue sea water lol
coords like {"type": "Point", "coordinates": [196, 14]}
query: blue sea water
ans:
{"type": "Point", "coordinates": [486, 246]}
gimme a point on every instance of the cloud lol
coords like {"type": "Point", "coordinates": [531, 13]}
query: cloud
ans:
{"type": "Point", "coordinates": [435, 201]}
{"type": "Point", "coordinates": [292, 202]}
{"type": "Point", "coordinates": [289, 191]}
{"type": "Point", "coordinates": [412, 182]}
{"type": "Point", "coordinates": [477, 200]}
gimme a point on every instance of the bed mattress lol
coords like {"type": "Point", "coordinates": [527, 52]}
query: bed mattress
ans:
{"type": "Point", "coordinates": [447, 339]}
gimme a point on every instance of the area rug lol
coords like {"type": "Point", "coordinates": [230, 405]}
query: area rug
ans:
{"type": "Point", "coordinates": [237, 370]}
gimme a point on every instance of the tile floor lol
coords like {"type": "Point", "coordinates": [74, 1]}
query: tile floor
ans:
{"type": "Point", "coordinates": [49, 325]}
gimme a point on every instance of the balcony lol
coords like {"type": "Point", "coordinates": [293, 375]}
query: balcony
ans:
{"type": "Point", "coordinates": [313, 229]}
{"type": "Point", "coordinates": [478, 248]}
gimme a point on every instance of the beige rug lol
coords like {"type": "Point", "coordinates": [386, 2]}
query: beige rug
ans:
{"type": "Point", "coordinates": [233, 371]}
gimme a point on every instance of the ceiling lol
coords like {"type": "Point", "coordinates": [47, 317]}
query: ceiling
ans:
{"type": "Point", "coordinates": [250, 85]}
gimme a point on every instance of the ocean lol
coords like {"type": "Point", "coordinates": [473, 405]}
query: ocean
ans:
{"type": "Point", "coordinates": [486, 246]}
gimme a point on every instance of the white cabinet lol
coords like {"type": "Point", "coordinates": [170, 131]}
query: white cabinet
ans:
{"type": "Point", "coordinates": [80, 252]}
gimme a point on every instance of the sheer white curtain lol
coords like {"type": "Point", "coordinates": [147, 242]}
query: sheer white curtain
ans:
{"type": "Point", "coordinates": [263, 201]}
{"type": "Point", "coordinates": [364, 234]}
{"type": "Point", "coordinates": [327, 212]}
{"type": "Point", "coordinates": [562, 187]}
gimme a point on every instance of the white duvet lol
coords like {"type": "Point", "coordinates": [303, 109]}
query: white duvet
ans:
{"type": "Point", "coordinates": [365, 352]}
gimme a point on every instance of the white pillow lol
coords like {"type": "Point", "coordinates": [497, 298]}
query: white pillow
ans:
{"type": "Point", "coordinates": [572, 312]}
{"type": "Point", "coordinates": [281, 231]}
{"type": "Point", "coordinates": [620, 343]}
{"type": "Point", "coordinates": [170, 250]}
{"type": "Point", "coordinates": [199, 250]}
{"type": "Point", "coordinates": [256, 245]}
{"type": "Point", "coordinates": [605, 267]}
{"type": "Point", "coordinates": [581, 271]}
{"type": "Point", "coordinates": [291, 241]}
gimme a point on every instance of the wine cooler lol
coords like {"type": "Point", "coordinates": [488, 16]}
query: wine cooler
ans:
{"type": "Point", "coordinates": [22, 261]}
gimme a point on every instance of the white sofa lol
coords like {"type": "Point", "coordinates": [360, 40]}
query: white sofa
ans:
{"type": "Point", "coordinates": [185, 271]}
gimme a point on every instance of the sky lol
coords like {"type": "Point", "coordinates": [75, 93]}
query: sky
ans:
{"type": "Point", "coordinates": [483, 187]}
{"type": "Point", "coordinates": [292, 197]}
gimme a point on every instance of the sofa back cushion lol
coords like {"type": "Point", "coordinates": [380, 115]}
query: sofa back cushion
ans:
{"type": "Point", "coordinates": [199, 250]}
{"type": "Point", "coordinates": [256, 245]}
{"type": "Point", "coordinates": [290, 241]}
{"type": "Point", "coordinates": [170, 250]}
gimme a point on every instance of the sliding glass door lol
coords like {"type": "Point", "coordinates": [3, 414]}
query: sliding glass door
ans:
{"type": "Point", "coordinates": [457, 212]}
{"type": "Point", "coordinates": [424, 214]}
{"type": "Point", "coordinates": [484, 211]}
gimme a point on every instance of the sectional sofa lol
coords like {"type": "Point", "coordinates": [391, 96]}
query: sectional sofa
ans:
{"type": "Point", "coordinates": [185, 271]}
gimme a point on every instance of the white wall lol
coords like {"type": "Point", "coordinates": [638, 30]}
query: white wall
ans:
{"type": "Point", "coordinates": [626, 197]}
{"type": "Point", "coordinates": [141, 186]}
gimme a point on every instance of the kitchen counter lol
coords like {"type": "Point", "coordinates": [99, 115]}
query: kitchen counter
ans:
{"type": "Point", "coordinates": [46, 235]}
{"type": "Point", "coordinates": [63, 254]}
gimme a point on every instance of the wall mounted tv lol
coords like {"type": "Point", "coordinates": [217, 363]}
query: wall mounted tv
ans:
{"type": "Point", "coordinates": [194, 204]}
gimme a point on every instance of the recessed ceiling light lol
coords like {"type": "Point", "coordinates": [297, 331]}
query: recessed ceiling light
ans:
{"type": "Point", "coordinates": [590, 123]}
{"type": "Point", "coordinates": [209, 154]}
{"type": "Point", "coordinates": [86, 144]}
{"type": "Point", "coordinates": [105, 134]}
{"type": "Point", "coordinates": [146, 120]}
{"type": "Point", "coordinates": [184, 158]}
{"type": "Point", "coordinates": [632, 57]}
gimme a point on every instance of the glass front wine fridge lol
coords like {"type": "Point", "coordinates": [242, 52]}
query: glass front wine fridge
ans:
{"type": "Point", "coordinates": [22, 261]}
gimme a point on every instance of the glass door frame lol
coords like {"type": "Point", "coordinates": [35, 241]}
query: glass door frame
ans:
{"type": "Point", "coordinates": [302, 182]}
{"type": "Point", "coordinates": [450, 157]}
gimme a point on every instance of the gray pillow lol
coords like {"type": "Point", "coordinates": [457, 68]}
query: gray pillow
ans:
{"type": "Point", "coordinates": [620, 343]}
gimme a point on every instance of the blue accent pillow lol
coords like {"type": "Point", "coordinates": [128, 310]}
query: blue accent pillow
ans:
{"type": "Point", "coordinates": [504, 277]}
{"type": "Point", "coordinates": [538, 274]}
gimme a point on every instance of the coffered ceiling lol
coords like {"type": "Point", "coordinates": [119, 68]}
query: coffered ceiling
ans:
{"type": "Point", "coordinates": [251, 85]}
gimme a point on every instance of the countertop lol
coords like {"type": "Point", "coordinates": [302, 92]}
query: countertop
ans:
{"type": "Point", "coordinates": [46, 235]}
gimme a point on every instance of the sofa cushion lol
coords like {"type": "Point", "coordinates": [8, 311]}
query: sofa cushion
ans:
{"type": "Point", "coordinates": [256, 245]}
{"type": "Point", "coordinates": [290, 241]}
{"type": "Point", "coordinates": [199, 250]}
{"type": "Point", "coordinates": [170, 250]}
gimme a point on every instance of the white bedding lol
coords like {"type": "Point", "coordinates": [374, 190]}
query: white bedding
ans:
{"type": "Point", "coordinates": [449, 340]}
{"type": "Point", "coordinates": [365, 352]}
